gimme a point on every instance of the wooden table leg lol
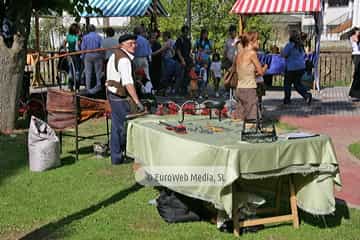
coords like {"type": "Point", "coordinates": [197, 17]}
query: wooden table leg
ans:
{"type": "Point", "coordinates": [235, 212]}
{"type": "Point", "coordinates": [294, 211]}
{"type": "Point", "coordinates": [282, 218]}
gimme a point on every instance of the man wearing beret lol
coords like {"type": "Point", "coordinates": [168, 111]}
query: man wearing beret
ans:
{"type": "Point", "coordinates": [120, 89]}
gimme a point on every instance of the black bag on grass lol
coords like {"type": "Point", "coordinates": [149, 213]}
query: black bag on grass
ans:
{"type": "Point", "coordinates": [174, 207]}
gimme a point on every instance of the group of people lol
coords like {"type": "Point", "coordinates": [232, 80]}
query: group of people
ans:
{"type": "Point", "coordinates": [180, 68]}
{"type": "Point", "coordinates": [249, 69]}
{"type": "Point", "coordinates": [91, 63]}
{"type": "Point", "coordinates": [120, 74]}
{"type": "Point", "coordinates": [176, 67]}
{"type": "Point", "coordinates": [162, 68]}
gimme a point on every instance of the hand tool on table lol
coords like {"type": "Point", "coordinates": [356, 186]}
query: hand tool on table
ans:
{"type": "Point", "coordinates": [181, 129]}
{"type": "Point", "coordinates": [136, 115]}
{"type": "Point", "coordinates": [214, 128]}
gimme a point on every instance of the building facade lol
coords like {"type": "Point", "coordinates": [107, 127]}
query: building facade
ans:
{"type": "Point", "coordinates": [339, 17]}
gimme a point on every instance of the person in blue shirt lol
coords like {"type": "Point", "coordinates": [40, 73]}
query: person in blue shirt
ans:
{"type": "Point", "coordinates": [143, 51]}
{"type": "Point", "coordinates": [294, 55]}
{"type": "Point", "coordinates": [94, 60]}
{"type": "Point", "coordinates": [203, 50]}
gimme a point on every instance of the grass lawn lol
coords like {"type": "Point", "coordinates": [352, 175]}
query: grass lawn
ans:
{"type": "Point", "coordinates": [91, 199]}
{"type": "Point", "coordinates": [355, 149]}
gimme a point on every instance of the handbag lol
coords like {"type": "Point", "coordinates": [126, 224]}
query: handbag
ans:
{"type": "Point", "coordinates": [230, 78]}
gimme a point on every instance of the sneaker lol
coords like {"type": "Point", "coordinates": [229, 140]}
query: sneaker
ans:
{"type": "Point", "coordinates": [309, 99]}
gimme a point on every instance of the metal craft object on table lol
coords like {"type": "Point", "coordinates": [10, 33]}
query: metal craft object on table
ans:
{"type": "Point", "coordinates": [259, 134]}
{"type": "Point", "coordinates": [209, 104]}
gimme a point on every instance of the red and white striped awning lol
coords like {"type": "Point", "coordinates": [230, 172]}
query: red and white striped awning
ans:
{"type": "Point", "coordinates": [275, 6]}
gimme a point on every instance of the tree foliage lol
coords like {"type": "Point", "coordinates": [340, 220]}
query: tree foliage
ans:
{"type": "Point", "coordinates": [75, 7]}
{"type": "Point", "coordinates": [13, 44]}
{"type": "Point", "coordinates": [49, 27]}
{"type": "Point", "coordinates": [258, 24]}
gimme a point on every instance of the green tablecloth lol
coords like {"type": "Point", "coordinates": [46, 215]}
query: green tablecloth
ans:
{"type": "Point", "coordinates": [311, 160]}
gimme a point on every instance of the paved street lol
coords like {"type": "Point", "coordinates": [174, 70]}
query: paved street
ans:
{"type": "Point", "coordinates": [331, 113]}
{"type": "Point", "coordinates": [330, 101]}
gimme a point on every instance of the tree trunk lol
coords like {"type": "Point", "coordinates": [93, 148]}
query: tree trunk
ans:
{"type": "Point", "coordinates": [12, 61]}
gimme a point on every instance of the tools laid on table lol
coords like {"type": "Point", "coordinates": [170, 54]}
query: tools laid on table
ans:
{"type": "Point", "coordinates": [214, 129]}
{"type": "Point", "coordinates": [181, 129]}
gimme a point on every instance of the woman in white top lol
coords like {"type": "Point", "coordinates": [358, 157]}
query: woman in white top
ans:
{"type": "Point", "coordinates": [215, 69]}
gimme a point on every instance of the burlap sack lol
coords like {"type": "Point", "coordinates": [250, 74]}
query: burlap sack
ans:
{"type": "Point", "coordinates": [43, 146]}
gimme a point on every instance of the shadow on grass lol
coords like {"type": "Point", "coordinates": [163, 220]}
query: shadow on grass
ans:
{"type": "Point", "coordinates": [328, 221]}
{"type": "Point", "coordinates": [83, 150]}
{"type": "Point", "coordinates": [321, 221]}
{"type": "Point", "coordinates": [13, 154]}
{"type": "Point", "coordinates": [69, 160]}
{"type": "Point", "coordinates": [81, 138]}
{"type": "Point", "coordinates": [45, 231]}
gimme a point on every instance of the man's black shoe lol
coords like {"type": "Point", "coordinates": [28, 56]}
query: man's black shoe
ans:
{"type": "Point", "coordinates": [309, 99]}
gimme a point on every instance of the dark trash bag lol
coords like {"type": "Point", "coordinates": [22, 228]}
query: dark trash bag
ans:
{"type": "Point", "coordinates": [174, 207]}
{"type": "Point", "coordinates": [43, 146]}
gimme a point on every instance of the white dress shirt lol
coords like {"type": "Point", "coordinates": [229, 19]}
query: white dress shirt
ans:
{"type": "Point", "coordinates": [125, 71]}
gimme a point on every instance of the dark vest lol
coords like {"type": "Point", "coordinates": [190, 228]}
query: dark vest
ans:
{"type": "Point", "coordinates": [120, 89]}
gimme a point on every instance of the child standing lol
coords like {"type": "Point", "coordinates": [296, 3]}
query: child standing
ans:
{"type": "Point", "coordinates": [193, 83]}
{"type": "Point", "coordinates": [216, 72]}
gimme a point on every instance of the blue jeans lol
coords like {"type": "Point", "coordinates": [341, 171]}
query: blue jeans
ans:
{"type": "Point", "coordinates": [74, 69]}
{"type": "Point", "coordinates": [119, 110]}
{"type": "Point", "coordinates": [93, 61]}
{"type": "Point", "coordinates": [294, 77]}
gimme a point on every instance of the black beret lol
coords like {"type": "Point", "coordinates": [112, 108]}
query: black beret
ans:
{"type": "Point", "coordinates": [126, 37]}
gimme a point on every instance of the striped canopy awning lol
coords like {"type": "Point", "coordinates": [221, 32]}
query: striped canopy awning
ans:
{"type": "Point", "coordinates": [126, 8]}
{"type": "Point", "coordinates": [275, 6]}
